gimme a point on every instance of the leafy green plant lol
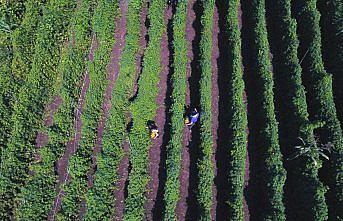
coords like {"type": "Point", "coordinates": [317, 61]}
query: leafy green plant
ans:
{"type": "Point", "coordinates": [103, 26]}
{"type": "Point", "coordinates": [294, 119]}
{"type": "Point", "coordinates": [174, 148]}
{"type": "Point", "coordinates": [143, 109]}
{"type": "Point", "coordinates": [238, 140]}
{"type": "Point", "coordinates": [100, 199]}
{"type": "Point", "coordinates": [318, 84]}
{"type": "Point", "coordinates": [72, 66]}
{"type": "Point", "coordinates": [310, 150]}
{"type": "Point", "coordinates": [205, 166]}
{"type": "Point", "coordinates": [270, 172]}
{"type": "Point", "coordinates": [29, 106]}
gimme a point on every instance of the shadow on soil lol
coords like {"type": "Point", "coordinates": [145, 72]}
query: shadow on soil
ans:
{"type": "Point", "coordinates": [222, 154]}
{"type": "Point", "coordinates": [146, 37]}
{"type": "Point", "coordinates": [160, 203]}
{"type": "Point", "coordinates": [255, 189]}
{"type": "Point", "coordinates": [193, 210]}
{"type": "Point", "coordinates": [285, 111]}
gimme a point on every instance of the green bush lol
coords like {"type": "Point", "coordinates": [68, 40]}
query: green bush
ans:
{"type": "Point", "coordinates": [103, 26]}
{"type": "Point", "coordinates": [238, 141]}
{"type": "Point", "coordinates": [178, 80]}
{"type": "Point", "coordinates": [143, 109]}
{"type": "Point", "coordinates": [205, 165]}
{"type": "Point", "coordinates": [29, 106]}
{"type": "Point", "coordinates": [100, 198]}
{"type": "Point", "coordinates": [318, 84]}
{"type": "Point", "coordinates": [72, 66]}
{"type": "Point", "coordinates": [269, 175]}
{"type": "Point", "coordinates": [294, 123]}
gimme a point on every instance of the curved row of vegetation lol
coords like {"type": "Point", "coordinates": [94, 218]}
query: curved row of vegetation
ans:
{"type": "Point", "coordinates": [331, 24]}
{"type": "Point", "coordinates": [295, 128]}
{"type": "Point", "coordinates": [143, 109]}
{"type": "Point", "coordinates": [103, 26]}
{"type": "Point", "coordinates": [205, 165]}
{"type": "Point", "coordinates": [71, 68]}
{"type": "Point", "coordinates": [178, 79]}
{"type": "Point", "coordinates": [237, 142]}
{"type": "Point", "coordinates": [318, 84]}
{"type": "Point", "coordinates": [269, 175]}
{"type": "Point", "coordinates": [32, 97]}
{"type": "Point", "coordinates": [100, 198]}
{"type": "Point", "coordinates": [11, 15]}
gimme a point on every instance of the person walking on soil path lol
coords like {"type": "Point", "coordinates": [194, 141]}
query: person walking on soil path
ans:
{"type": "Point", "coordinates": [151, 125]}
{"type": "Point", "coordinates": [192, 118]}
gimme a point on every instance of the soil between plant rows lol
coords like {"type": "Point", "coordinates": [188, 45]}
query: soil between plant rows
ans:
{"type": "Point", "coordinates": [72, 145]}
{"type": "Point", "coordinates": [123, 170]}
{"type": "Point", "coordinates": [215, 104]}
{"type": "Point", "coordinates": [112, 72]}
{"type": "Point", "coordinates": [155, 150]}
{"type": "Point", "coordinates": [181, 207]}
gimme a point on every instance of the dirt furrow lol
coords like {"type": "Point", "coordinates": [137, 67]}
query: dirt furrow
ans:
{"type": "Point", "coordinates": [113, 71]}
{"type": "Point", "coordinates": [247, 172]}
{"type": "Point", "coordinates": [123, 170]}
{"type": "Point", "coordinates": [72, 145]}
{"type": "Point", "coordinates": [215, 100]}
{"type": "Point", "coordinates": [247, 162]}
{"type": "Point", "coordinates": [155, 150]}
{"type": "Point", "coordinates": [181, 207]}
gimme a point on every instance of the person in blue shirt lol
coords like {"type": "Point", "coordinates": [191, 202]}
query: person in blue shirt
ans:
{"type": "Point", "coordinates": [192, 118]}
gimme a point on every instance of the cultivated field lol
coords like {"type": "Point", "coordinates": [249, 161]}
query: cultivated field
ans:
{"type": "Point", "coordinates": [80, 79]}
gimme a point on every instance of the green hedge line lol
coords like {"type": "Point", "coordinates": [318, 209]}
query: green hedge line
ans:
{"type": "Point", "coordinates": [237, 143]}
{"type": "Point", "coordinates": [205, 166]}
{"type": "Point", "coordinates": [11, 15]}
{"type": "Point", "coordinates": [72, 68]}
{"type": "Point", "coordinates": [331, 23]}
{"type": "Point", "coordinates": [178, 79]}
{"type": "Point", "coordinates": [319, 86]}
{"type": "Point", "coordinates": [25, 36]}
{"type": "Point", "coordinates": [103, 26]}
{"type": "Point", "coordinates": [271, 174]}
{"type": "Point", "coordinates": [302, 172]}
{"type": "Point", "coordinates": [144, 109]}
{"type": "Point", "coordinates": [100, 198]}
{"type": "Point", "coordinates": [33, 95]}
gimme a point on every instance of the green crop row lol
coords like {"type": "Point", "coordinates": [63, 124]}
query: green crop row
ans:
{"type": "Point", "coordinates": [143, 109]}
{"type": "Point", "coordinates": [205, 165]}
{"type": "Point", "coordinates": [174, 148]}
{"type": "Point", "coordinates": [271, 174]}
{"type": "Point", "coordinates": [320, 100]}
{"type": "Point", "coordinates": [29, 106]}
{"type": "Point", "coordinates": [238, 141]}
{"type": "Point", "coordinates": [103, 26]}
{"type": "Point", "coordinates": [72, 67]}
{"type": "Point", "coordinates": [24, 38]}
{"type": "Point", "coordinates": [332, 32]}
{"type": "Point", "coordinates": [11, 15]}
{"type": "Point", "coordinates": [302, 172]}
{"type": "Point", "coordinates": [100, 198]}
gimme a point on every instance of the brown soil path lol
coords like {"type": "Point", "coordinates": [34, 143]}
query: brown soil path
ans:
{"type": "Point", "coordinates": [112, 71]}
{"type": "Point", "coordinates": [123, 170]}
{"type": "Point", "coordinates": [155, 150]}
{"type": "Point", "coordinates": [247, 162]}
{"type": "Point", "coordinates": [72, 145]}
{"type": "Point", "coordinates": [181, 207]}
{"type": "Point", "coordinates": [215, 103]}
